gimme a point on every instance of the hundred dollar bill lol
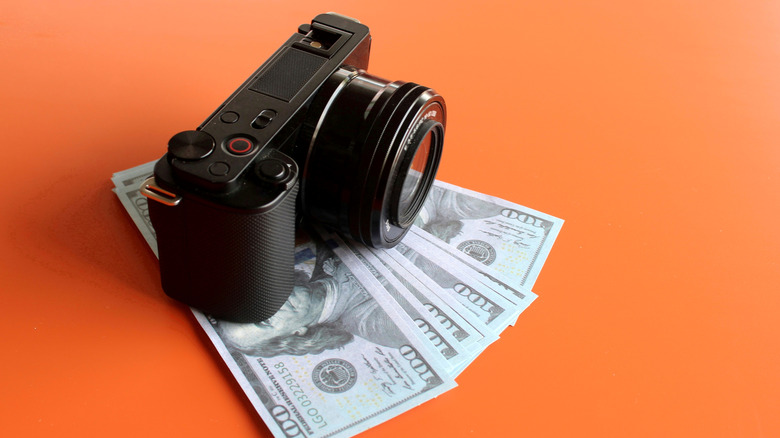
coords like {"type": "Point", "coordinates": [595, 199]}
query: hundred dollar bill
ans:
{"type": "Point", "coordinates": [487, 305]}
{"type": "Point", "coordinates": [465, 325]}
{"type": "Point", "coordinates": [126, 185]}
{"type": "Point", "coordinates": [434, 332]}
{"type": "Point", "coordinates": [512, 241]}
{"type": "Point", "coordinates": [443, 304]}
{"type": "Point", "coordinates": [334, 361]}
{"type": "Point", "coordinates": [520, 298]}
{"type": "Point", "coordinates": [132, 178]}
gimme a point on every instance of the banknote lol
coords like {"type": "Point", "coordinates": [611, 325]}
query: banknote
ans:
{"type": "Point", "coordinates": [475, 334]}
{"type": "Point", "coordinates": [126, 185]}
{"type": "Point", "coordinates": [434, 332]}
{"type": "Point", "coordinates": [467, 327]}
{"type": "Point", "coordinates": [132, 178]}
{"type": "Point", "coordinates": [521, 298]}
{"type": "Point", "coordinates": [335, 360]}
{"type": "Point", "coordinates": [512, 241]}
{"type": "Point", "coordinates": [491, 308]}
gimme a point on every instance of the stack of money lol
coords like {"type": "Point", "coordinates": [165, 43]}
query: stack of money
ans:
{"type": "Point", "coordinates": [370, 333]}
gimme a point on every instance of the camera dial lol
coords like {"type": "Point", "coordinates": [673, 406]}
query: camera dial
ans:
{"type": "Point", "coordinates": [191, 145]}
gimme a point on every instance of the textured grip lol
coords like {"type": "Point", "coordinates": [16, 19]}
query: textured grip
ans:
{"type": "Point", "coordinates": [232, 265]}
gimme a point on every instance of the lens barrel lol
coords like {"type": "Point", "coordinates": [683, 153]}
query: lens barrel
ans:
{"type": "Point", "coordinates": [372, 148]}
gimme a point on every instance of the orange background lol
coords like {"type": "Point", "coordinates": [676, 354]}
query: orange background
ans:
{"type": "Point", "coordinates": [652, 128]}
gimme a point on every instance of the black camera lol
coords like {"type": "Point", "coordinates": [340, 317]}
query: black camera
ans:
{"type": "Point", "coordinates": [309, 132]}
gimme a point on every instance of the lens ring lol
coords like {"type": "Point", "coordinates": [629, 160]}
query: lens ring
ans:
{"type": "Point", "coordinates": [376, 223]}
{"type": "Point", "coordinates": [355, 146]}
{"type": "Point", "coordinates": [373, 169]}
{"type": "Point", "coordinates": [406, 203]}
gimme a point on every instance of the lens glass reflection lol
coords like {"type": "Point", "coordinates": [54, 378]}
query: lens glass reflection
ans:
{"type": "Point", "coordinates": [412, 182]}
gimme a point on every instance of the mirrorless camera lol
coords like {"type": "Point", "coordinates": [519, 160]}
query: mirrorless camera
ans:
{"type": "Point", "coordinates": [310, 134]}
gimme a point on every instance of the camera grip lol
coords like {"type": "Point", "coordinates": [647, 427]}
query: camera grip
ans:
{"type": "Point", "coordinates": [228, 263]}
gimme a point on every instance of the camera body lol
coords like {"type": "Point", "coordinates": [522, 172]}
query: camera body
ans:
{"type": "Point", "coordinates": [224, 197]}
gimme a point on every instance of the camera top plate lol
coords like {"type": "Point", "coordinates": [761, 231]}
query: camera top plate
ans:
{"type": "Point", "coordinates": [262, 115]}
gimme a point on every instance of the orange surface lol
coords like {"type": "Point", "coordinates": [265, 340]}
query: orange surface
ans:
{"type": "Point", "coordinates": [652, 128]}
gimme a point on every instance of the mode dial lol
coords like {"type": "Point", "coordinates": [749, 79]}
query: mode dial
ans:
{"type": "Point", "coordinates": [191, 145]}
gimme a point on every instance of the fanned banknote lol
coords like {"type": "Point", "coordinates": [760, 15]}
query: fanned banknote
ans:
{"type": "Point", "coordinates": [435, 332]}
{"type": "Point", "coordinates": [473, 332]}
{"type": "Point", "coordinates": [470, 328]}
{"type": "Point", "coordinates": [126, 187]}
{"type": "Point", "coordinates": [494, 310]}
{"type": "Point", "coordinates": [509, 241]}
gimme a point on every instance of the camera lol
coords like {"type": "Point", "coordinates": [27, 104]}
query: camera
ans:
{"type": "Point", "coordinates": [309, 136]}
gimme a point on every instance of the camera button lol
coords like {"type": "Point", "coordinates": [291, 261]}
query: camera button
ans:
{"type": "Point", "coordinates": [190, 145]}
{"type": "Point", "coordinates": [229, 117]}
{"type": "Point", "coordinates": [220, 168]}
{"type": "Point", "coordinates": [264, 119]}
{"type": "Point", "coordinates": [240, 146]}
{"type": "Point", "coordinates": [272, 170]}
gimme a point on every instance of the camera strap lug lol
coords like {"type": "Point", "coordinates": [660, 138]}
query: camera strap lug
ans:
{"type": "Point", "coordinates": [151, 190]}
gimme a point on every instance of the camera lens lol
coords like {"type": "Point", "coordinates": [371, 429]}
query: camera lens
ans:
{"type": "Point", "coordinates": [370, 149]}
